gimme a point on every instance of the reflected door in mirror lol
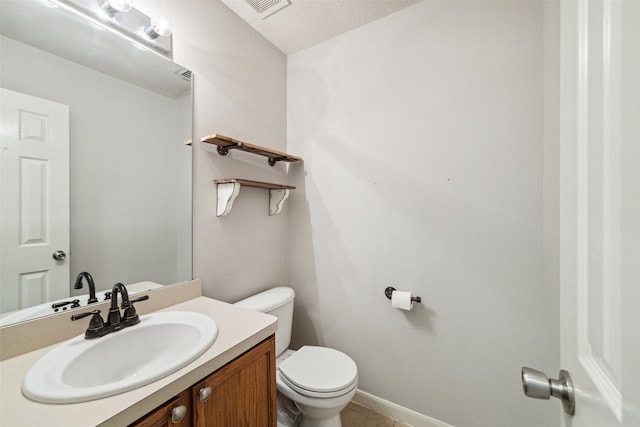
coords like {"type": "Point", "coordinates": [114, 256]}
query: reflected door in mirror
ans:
{"type": "Point", "coordinates": [35, 200]}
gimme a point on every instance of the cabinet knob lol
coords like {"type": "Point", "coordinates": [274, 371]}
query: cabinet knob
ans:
{"type": "Point", "coordinates": [205, 394]}
{"type": "Point", "coordinates": [178, 413]}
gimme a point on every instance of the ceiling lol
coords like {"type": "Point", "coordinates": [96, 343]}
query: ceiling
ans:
{"type": "Point", "coordinates": [304, 23]}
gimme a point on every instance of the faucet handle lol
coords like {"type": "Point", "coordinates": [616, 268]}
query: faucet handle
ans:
{"type": "Point", "coordinates": [130, 315]}
{"type": "Point", "coordinates": [142, 298]}
{"type": "Point", "coordinates": [83, 315]}
{"type": "Point", "coordinates": [58, 305]}
{"type": "Point", "coordinates": [96, 327]}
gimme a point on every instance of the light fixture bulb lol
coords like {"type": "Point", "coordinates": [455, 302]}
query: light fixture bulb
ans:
{"type": "Point", "coordinates": [158, 27]}
{"type": "Point", "coordinates": [114, 7]}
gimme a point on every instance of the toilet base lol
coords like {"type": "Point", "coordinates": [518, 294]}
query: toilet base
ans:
{"type": "Point", "coordinates": [322, 417]}
{"type": "Point", "coordinates": [329, 422]}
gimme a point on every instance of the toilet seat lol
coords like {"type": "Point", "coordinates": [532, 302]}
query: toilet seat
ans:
{"type": "Point", "coordinates": [319, 372]}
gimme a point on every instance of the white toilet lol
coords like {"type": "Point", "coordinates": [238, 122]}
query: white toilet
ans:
{"type": "Point", "coordinates": [321, 381]}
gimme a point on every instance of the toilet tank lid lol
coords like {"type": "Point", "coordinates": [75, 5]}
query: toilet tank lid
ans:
{"type": "Point", "coordinates": [268, 300]}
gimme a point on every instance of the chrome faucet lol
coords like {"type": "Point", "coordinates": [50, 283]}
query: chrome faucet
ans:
{"type": "Point", "coordinates": [115, 320]}
{"type": "Point", "coordinates": [90, 283]}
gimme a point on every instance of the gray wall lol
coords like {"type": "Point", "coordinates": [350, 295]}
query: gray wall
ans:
{"type": "Point", "coordinates": [422, 140]}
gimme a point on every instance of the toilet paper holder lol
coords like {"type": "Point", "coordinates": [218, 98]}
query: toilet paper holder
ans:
{"type": "Point", "coordinates": [389, 291]}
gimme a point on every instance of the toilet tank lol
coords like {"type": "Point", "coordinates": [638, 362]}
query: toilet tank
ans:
{"type": "Point", "coordinates": [277, 302]}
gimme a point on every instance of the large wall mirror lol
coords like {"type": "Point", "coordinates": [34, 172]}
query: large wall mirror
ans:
{"type": "Point", "coordinates": [125, 184]}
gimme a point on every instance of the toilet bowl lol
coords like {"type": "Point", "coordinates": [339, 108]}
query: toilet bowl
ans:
{"type": "Point", "coordinates": [320, 381]}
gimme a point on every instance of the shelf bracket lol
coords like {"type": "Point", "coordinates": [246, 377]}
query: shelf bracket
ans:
{"type": "Point", "coordinates": [274, 160]}
{"type": "Point", "coordinates": [228, 190]}
{"type": "Point", "coordinates": [227, 193]}
{"type": "Point", "coordinates": [277, 197]}
{"type": "Point", "coordinates": [223, 150]}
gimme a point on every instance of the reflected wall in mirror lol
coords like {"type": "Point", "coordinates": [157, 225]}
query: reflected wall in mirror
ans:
{"type": "Point", "coordinates": [129, 171]}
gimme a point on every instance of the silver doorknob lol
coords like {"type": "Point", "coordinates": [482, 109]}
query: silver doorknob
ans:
{"type": "Point", "coordinates": [537, 385]}
{"type": "Point", "coordinates": [59, 255]}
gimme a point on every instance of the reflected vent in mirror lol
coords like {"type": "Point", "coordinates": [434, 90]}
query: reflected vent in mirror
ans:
{"type": "Point", "coordinates": [185, 74]}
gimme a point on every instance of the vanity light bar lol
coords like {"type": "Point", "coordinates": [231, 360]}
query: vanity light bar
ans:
{"type": "Point", "coordinates": [119, 16]}
{"type": "Point", "coordinates": [114, 7]}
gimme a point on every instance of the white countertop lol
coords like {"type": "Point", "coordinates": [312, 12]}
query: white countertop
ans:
{"type": "Point", "coordinates": [240, 330]}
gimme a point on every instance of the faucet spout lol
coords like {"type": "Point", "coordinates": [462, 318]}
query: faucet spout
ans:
{"type": "Point", "coordinates": [90, 283]}
{"type": "Point", "coordinates": [114, 319]}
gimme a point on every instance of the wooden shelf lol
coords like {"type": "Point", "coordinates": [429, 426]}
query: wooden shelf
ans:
{"type": "Point", "coordinates": [228, 190]}
{"type": "Point", "coordinates": [226, 143]}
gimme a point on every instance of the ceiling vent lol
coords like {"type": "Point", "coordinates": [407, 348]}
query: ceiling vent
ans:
{"type": "Point", "coordinates": [265, 8]}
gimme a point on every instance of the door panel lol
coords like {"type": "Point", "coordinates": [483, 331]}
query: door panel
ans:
{"type": "Point", "coordinates": [35, 201]}
{"type": "Point", "coordinates": [598, 191]}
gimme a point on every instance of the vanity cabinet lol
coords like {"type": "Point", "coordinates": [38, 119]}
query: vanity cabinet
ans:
{"type": "Point", "coordinates": [240, 394]}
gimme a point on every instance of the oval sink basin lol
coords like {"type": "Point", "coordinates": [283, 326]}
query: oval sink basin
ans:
{"type": "Point", "coordinates": [79, 370]}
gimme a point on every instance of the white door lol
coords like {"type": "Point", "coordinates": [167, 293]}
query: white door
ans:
{"type": "Point", "coordinates": [600, 210]}
{"type": "Point", "coordinates": [34, 201]}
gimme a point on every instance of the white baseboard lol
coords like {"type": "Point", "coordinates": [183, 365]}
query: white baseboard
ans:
{"type": "Point", "coordinates": [395, 411]}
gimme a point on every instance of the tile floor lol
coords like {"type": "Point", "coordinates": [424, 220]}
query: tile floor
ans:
{"type": "Point", "coordinates": [355, 415]}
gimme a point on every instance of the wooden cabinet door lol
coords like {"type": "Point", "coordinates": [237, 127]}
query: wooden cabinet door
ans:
{"type": "Point", "coordinates": [170, 414]}
{"type": "Point", "coordinates": [241, 394]}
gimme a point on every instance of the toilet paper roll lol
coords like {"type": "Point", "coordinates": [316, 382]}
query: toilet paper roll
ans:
{"type": "Point", "coordinates": [401, 300]}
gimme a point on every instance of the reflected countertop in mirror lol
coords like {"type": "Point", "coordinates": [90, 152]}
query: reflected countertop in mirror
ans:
{"type": "Point", "coordinates": [129, 177]}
